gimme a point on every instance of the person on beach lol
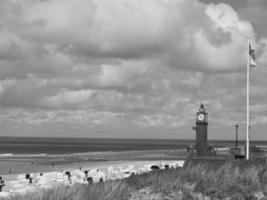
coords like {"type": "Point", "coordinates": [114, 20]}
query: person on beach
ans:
{"type": "Point", "coordinates": [29, 177]}
{"type": "Point", "coordinates": [89, 180]}
{"type": "Point", "coordinates": [69, 176]}
{"type": "Point", "coordinates": [85, 175]}
{"type": "Point", "coordinates": [2, 183]}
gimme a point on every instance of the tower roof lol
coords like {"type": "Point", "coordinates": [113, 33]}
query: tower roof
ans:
{"type": "Point", "coordinates": [202, 109]}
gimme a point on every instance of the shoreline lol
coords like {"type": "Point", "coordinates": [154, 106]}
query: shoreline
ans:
{"type": "Point", "coordinates": [16, 183]}
{"type": "Point", "coordinates": [27, 164]}
{"type": "Point", "coordinates": [13, 168]}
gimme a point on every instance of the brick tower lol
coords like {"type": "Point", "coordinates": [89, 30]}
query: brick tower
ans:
{"type": "Point", "coordinates": [201, 131]}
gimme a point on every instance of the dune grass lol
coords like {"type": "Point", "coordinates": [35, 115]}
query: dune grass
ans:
{"type": "Point", "coordinates": [192, 182]}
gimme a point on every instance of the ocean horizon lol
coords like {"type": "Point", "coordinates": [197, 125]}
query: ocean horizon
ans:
{"type": "Point", "coordinates": [60, 145]}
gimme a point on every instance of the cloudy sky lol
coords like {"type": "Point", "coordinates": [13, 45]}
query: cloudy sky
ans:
{"type": "Point", "coordinates": [130, 68]}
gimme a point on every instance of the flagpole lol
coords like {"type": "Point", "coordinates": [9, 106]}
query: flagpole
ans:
{"type": "Point", "coordinates": [247, 142]}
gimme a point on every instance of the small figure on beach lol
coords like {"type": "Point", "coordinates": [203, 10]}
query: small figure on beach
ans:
{"type": "Point", "coordinates": [154, 167]}
{"type": "Point", "coordinates": [29, 177]}
{"type": "Point", "coordinates": [2, 183]}
{"type": "Point", "coordinates": [89, 180]}
{"type": "Point", "coordinates": [52, 164]}
{"type": "Point", "coordinates": [85, 174]}
{"type": "Point", "coordinates": [69, 176]}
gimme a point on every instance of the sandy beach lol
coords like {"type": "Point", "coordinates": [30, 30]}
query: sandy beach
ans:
{"type": "Point", "coordinates": [97, 171]}
{"type": "Point", "coordinates": [105, 165]}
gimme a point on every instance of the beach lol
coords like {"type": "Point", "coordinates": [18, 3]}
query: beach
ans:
{"type": "Point", "coordinates": [97, 171]}
{"type": "Point", "coordinates": [14, 168]}
{"type": "Point", "coordinates": [47, 158]}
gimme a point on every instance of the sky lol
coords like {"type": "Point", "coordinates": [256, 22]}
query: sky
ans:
{"type": "Point", "coordinates": [131, 68]}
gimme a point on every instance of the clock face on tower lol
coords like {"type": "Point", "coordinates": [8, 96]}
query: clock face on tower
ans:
{"type": "Point", "coordinates": [201, 117]}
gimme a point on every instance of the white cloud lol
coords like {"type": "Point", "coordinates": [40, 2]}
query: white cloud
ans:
{"type": "Point", "coordinates": [194, 80]}
{"type": "Point", "coordinates": [85, 117]}
{"type": "Point", "coordinates": [161, 120]}
{"type": "Point", "coordinates": [68, 97]}
{"type": "Point", "coordinates": [121, 73]}
{"type": "Point", "coordinates": [229, 50]}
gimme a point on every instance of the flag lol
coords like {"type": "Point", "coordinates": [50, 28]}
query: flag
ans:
{"type": "Point", "coordinates": [252, 57]}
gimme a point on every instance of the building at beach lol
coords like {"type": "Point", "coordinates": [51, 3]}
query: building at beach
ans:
{"type": "Point", "coordinates": [201, 147]}
{"type": "Point", "coordinates": [201, 131]}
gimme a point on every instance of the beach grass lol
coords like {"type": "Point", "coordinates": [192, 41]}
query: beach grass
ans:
{"type": "Point", "coordinates": [229, 181]}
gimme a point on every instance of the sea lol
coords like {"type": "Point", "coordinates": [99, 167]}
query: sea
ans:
{"type": "Point", "coordinates": [55, 145]}
{"type": "Point", "coordinates": [42, 154]}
